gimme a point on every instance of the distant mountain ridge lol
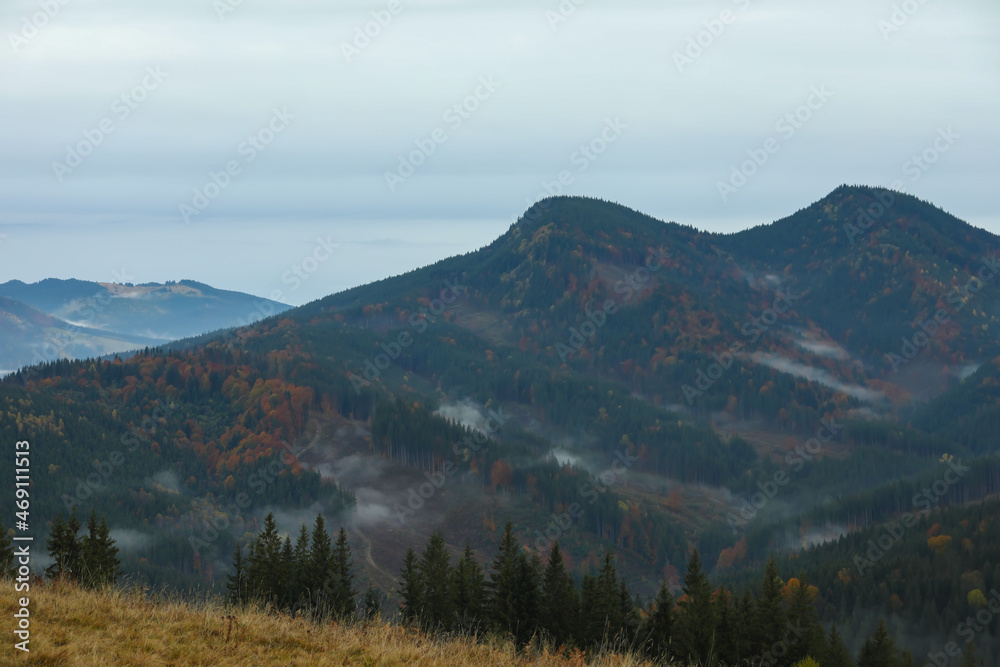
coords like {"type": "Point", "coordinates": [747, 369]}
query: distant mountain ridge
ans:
{"type": "Point", "coordinates": [56, 318]}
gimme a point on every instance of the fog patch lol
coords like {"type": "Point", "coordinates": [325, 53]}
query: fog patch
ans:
{"type": "Point", "coordinates": [128, 540]}
{"type": "Point", "coordinates": [816, 375]}
{"type": "Point", "coordinates": [289, 521]}
{"type": "Point", "coordinates": [167, 480]}
{"type": "Point", "coordinates": [373, 507]}
{"type": "Point", "coordinates": [465, 412]}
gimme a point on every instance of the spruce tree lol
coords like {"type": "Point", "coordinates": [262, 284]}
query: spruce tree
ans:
{"type": "Point", "coordinates": [372, 604]}
{"type": "Point", "coordinates": [300, 571]}
{"type": "Point", "coordinates": [771, 615]}
{"type": "Point", "coordinates": [879, 650]}
{"type": "Point", "coordinates": [502, 585]}
{"type": "Point", "coordinates": [746, 627]}
{"type": "Point", "coordinates": [64, 548]}
{"type": "Point", "coordinates": [411, 589]}
{"type": "Point", "coordinates": [99, 564]}
{"type": "Point", "coordinates": [343, 596]}
{"type": "Point", "coordinates": [435, 572]}
{"type": "Point", "coordinates": [264, 567]}
{"type": "Point", "coordinates": [837, 653]}
{"type": "Point", "coordinates": [696, 619]}
{"type": "Point", "coordinates": [726, 633]}
{"type": "Point", "coordinates": [559, 606]}
{"type": "Point", "coordinates": [319, 560]}
{"type": "Point", "coordinates": [529, 581]}
{"type": "Point", "coordinates": [468, 592]}
{"type": "Point", "coordinates": [629, 619]}
{"type": "Point", "coordinates": [288, 591]}
{"type": "Point", "coordinates": [802, 616]}
{"type": "Point", "coordinates": [657, 631]}
{"type": "Point", "coordinates": [513, 589]}
{"type": "Point", "coordinates": [236, 583]}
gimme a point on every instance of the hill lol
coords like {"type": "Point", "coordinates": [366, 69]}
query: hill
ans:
{"type": "Point", "coordinates": [683, 388]}
{"type": "Point", "coordinates": [89, 319]}
{"type": "Point", "coordinates": [29, 336]}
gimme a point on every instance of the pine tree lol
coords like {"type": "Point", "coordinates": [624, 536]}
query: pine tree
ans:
{"type": "Point", "coordinates": [726, 633]}
{"type": "Point", "coordinates": [264, 567]}
{"type": "Point", "coordinates": [559, 605]}
{"type": "Point", "coordinates": [837, 653]}
{"type": "Point", "coordinates": [772, 624]}
{"type": "Point", "coordinates": [657, 632]}
{"type": "Point", "coordinates": [808, 639]}
{"type": "Point", "coordinates": [343, 596]}
{"type": "Point", "coordinates": [629, 623]}
{"type": "Point", "coordinates": [590, 625]}
{"type": "Point", "coordinates": [411, 589]}
{"type": "Point", "coordinates": [879, 650]}
{"type": "Point", "coordinates": [300, 571]}
{"type": "Point", "coordinates": [502, 583]}
{"type": "Point", "coordinates": [288, 590]}
{"type": "Point", "coordinates": [696, 620]}
{"type": "Point", "coordinates": [64, 548]}
{"type": "Point", "coordinates": [99, 564]}
{"type": "Point", "coordinates": [513, 589]}
{"type": "Point", "coordinates": [435, 571]}
{"type": "Point", "coordinates": [372, 604]}
{"type": "Point", "coordinates": [528, 582]}
{"type": "Point", "coordinates": [236, 583]}
{"type": "Point", "coordinates": [318, 567]}
{"type": "Point", "coordinates": [468, 592]}
{"type": "Point", "coordinates": [746, 627]}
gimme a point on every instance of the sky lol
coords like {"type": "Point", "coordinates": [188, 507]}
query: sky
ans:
{"type": "Point", "coordinates": [294, 149]}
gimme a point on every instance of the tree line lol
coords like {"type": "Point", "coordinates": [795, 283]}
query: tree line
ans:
{"type": "Point", "coordinates": [536, 602]}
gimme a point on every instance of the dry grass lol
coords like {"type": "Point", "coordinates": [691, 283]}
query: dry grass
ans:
{"type": "Point", "coordinates": [72, 626]}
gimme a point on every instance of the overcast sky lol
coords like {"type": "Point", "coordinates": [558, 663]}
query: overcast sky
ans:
{"type": "Point", "coordinates": [115, 113]}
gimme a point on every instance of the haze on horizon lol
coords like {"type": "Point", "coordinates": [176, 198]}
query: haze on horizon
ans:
{"type": "Point", "coordinates": [300, 125]}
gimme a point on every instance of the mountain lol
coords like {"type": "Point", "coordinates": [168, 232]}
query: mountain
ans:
{"type": "Point", "coordinates": [162, 311]}
{"type": "Point", "coordinates": [594, 375]}
{"type": "Point", "coordinates": [93, 319]}
{"type": "Point", "coordinates": [28, 336]}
